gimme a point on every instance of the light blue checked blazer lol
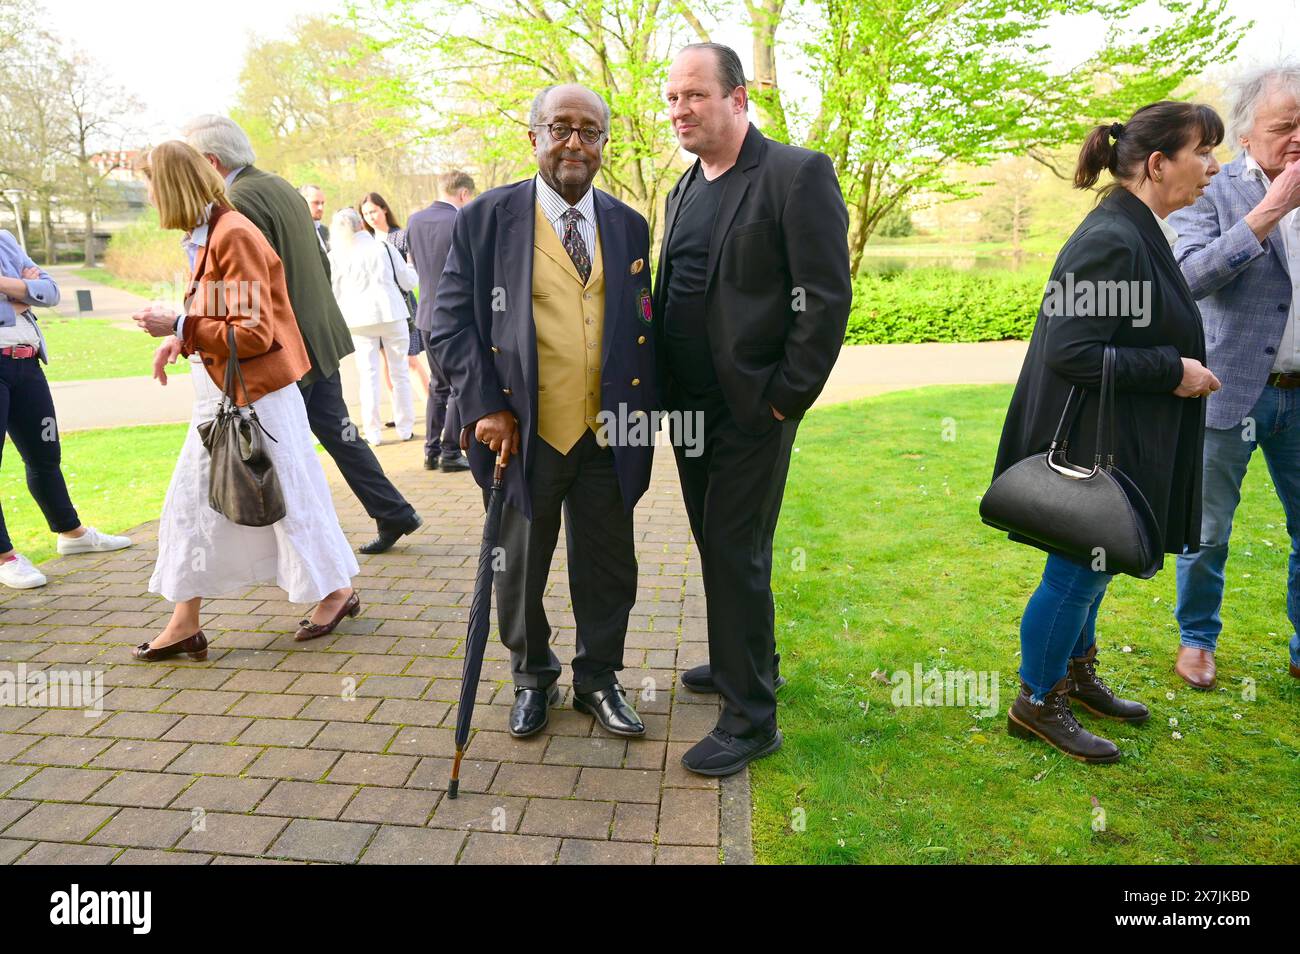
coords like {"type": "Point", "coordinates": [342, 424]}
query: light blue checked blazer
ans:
{"type": "Point", "coordinates": [1243, 288]}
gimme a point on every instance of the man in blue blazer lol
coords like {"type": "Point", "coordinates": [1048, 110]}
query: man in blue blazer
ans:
{"type": "Point", "coordinates": [429, 233]}
{"type": "Point", "coordinates": [542, 321]}
{"type": "Point", "coordinates": [1239, 248]}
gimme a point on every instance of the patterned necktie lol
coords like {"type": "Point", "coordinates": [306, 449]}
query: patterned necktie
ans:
{"type": "Point", "coordinates": [575, 246]}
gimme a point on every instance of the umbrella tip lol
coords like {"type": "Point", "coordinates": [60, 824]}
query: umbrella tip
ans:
{"type": "Point", "coordinates": [453, 788]}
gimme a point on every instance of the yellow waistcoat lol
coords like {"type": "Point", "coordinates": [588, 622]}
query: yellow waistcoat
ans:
{"type": "Point", "coordinates": [570, 323]}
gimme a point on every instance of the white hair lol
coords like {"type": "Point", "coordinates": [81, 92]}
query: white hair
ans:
{"type": "Point", "coordinates": [221, 137]}
{"type": "Point", "coordinates": [344, 226]}
{"type": "Point", "coordinates": [1247, 92]}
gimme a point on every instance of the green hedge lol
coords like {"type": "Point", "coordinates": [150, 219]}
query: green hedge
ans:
{"type": "Point", "coordinates": [942, 304]}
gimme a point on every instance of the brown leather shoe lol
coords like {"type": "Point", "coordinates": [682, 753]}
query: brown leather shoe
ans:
{"type": "Point", "coordinates": [1196, 667]}
{"type": "Point", "coordinates": [1053, 722]}
{"type": "Point", "coordinates": [1090, 691]}
{"type": "Point", "coordinates": [196, 647]}
{"type": "Point", "coordinates": [309, 630]}
{"type": "Point", "coordinates": [1295, 671]}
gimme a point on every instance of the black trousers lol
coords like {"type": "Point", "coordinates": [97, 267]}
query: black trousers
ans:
{"type": "Point", "coordinates": [733, 493]}
{"type": "Point", "coordinates": [328, 416]}
{"type": "Point", "coordinates": [27, 416]}
{"type": "Point", "coordinates": [602, 567]}
{"type": "Point", "coordinates": [441, 420]}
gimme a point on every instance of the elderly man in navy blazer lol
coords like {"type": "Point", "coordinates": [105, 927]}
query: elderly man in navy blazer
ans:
{"type": "Point", "coordinates": [542, 321]}
{"type": "Point", "coordinates": [429, 233]}
{"type": "Point", "coordinates": [1239, 247]}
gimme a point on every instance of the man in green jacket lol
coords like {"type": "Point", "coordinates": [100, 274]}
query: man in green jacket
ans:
{"type": "Point", "coordinates": [280, 211]}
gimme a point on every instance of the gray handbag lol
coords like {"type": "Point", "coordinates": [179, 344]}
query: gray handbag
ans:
{"type": "Point", "coordinates": [1080, 513]}
{"type": "Point", "coordinates": [242, 485]}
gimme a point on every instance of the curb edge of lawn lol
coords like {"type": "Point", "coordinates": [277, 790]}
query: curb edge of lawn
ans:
{"type": "Point", "coordinates": [736, 841]}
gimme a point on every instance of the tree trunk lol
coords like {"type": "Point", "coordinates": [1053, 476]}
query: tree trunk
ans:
{"type": "Point", "coordinates": [764, 17]}
{"type": "Point", "coordinates": [47, 234]}
{"type": "Point", "coordinates": [90, 236]}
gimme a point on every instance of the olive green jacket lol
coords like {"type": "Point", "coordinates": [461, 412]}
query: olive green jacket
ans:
{"type": "Point", "coordinates": [277, 208]}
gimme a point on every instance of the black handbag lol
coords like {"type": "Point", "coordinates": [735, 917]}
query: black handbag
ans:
{"type": "Point", "coordinates": [1098, 516]}
{"type": "Point", "coordinates": [242, 485]}
{"type": "Point", "coordinates": [407, 298]}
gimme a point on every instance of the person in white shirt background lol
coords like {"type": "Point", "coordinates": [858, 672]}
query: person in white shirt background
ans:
{"type": "Point", "coordinates": [370, 279]}
{"type": "Point", "coordinates": [27, 415]}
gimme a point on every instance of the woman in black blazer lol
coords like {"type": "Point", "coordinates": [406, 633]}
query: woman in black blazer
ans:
{"type": "Point", "coordinates": [1161, 160]}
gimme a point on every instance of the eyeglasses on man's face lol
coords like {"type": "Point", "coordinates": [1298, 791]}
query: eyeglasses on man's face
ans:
{"type": "Point", "coordinates": [561, 132]}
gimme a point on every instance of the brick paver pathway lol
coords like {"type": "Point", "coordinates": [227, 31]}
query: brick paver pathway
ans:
{"type": "Point", "coordinates": [338, 750]}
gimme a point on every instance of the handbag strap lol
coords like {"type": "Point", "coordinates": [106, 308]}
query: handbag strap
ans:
{"type": "Point", "coordinates": [1105, 415]}
{"type": "Point", "coordinates": [233, 372]}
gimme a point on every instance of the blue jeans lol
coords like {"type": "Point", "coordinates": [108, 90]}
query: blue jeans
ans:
{"type": "Point", "coordinates": [1060, 622]}
{"type": "Point", "coordinates": [1276, 417]}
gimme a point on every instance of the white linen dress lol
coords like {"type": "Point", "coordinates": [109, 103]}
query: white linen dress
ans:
{"type": "Point", "coordinates": [202, 554]}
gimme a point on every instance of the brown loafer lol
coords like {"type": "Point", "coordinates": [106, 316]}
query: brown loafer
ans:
{"type": "Point", "coordinates": [309, 630]}
{"type": "Point", "coordinates": [1196, 667]}
{"type": "Point", "coordinates": [1295, 671]}
{"type": "Point", "coordinates": [196, 647]}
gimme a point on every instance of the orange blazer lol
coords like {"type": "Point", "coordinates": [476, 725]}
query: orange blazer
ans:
{"type": "Point", "coordinates": [242, 287]}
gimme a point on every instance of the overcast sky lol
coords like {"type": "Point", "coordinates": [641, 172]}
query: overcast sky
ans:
{"type": "Point", "coordinates": [152, 48]}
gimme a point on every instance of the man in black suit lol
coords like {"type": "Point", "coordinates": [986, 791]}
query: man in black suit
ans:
{"type": "Point", "coordinates": [542, 321]}
{"type": "Point", "coordinates": [429, 232]}
{"type": "Point", "coordinates": [753, 291]}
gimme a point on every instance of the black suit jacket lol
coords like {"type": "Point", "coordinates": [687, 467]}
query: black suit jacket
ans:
{"type": "Point", "coordinates": [429, 234]}
{"type": "Point", "coordinates": [484, 338]}
{"type": "Point", "coordinates": [778, 293]}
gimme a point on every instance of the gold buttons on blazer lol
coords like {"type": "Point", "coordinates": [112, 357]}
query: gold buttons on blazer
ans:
{"type": "Point", "coordinates": [640, 339]}
{"type": "Point", "coordinates": [505, 391]}
{"type": "Point", "coordinates": [496, 350]}
{"type": "Point", "coordinates": [635, 382]}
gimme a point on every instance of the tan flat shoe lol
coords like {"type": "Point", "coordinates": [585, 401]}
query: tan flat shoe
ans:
{"type": "Point", "coordinates": [309, 630]}
{"type": "Point", "coordinates": [1196, 667]}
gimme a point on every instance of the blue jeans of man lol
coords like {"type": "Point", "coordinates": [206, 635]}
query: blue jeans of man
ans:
{"type": "Point", "coordinates": [1273, 425]}
{"type": "Point", "coordinates": [1060, 622]}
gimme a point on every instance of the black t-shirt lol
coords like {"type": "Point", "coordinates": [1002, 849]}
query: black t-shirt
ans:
{"type": "Point", "coordinates": [686, 334]}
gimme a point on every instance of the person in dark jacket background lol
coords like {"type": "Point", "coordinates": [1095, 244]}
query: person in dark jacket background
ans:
{"type": "Point", "coordinates": [1161, 160]}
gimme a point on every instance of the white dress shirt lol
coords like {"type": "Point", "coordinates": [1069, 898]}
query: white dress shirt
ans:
{"type": "Point", "coordinates": [1288, 350]}
{"type": "Point", "coordinates": [555, 205]}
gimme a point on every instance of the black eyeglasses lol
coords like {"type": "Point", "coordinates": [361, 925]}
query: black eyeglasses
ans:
{"type": "Point", "coordinates": [561, 132]}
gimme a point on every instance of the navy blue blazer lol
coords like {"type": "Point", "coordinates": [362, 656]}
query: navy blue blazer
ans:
{"type": "Point", "coordinates": [429, 234]}
{"type": "Point", "coordinates": [484, 338]}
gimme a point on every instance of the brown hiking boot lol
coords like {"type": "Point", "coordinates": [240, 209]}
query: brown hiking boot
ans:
{"type": "Point", "coordinates": [1053, 721]}
{"type": "Point", "coordinates": [1088, 689]}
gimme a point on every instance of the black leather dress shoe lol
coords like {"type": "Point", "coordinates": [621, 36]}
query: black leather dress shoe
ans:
{"type": "Point", "coordinates": [430, 461]}
{"type": "Point", "coordinates": [721, 753]}
{"type": "Point", "coordinates": [700, 678]}
{"type": "Point", "coordinates": [528, 714]}
{"type": "Point", "coordinates": [452, 465]}
{"type": "Point", "coordinates": [611, 709]}
{"type": "Point", "coordinates": [390, 534]}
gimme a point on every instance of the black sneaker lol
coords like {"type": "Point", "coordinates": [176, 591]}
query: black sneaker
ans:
{"type": "Point", "coordinates": [700, 678]}
{"type": "Point", "coordinates": [721, 753]}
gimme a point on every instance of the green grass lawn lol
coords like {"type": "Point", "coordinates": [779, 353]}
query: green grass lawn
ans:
{"type": "Point", "coordinates": [899, 570]}
{"type": "Point", "coordinates": [104, 277]}
{"type": "Point", "coordinates": [117, 479]}
{"type": "Point", "coordinates": [86, 349]}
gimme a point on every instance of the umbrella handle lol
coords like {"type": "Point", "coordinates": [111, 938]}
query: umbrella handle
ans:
{"type": "Point", "coordinates": [499, 471]}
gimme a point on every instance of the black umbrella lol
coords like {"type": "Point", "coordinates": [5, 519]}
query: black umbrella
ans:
{"type": "Point", "coordinates": [480, 611]}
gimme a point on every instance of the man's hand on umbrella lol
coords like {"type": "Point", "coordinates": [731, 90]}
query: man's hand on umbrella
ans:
{"type": "Point", "coordinates": [500, 432]}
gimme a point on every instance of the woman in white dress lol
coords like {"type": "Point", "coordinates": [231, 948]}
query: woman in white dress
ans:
{"type": "Point", "coordinates": [238, 282]}
{"type": "Point", "coordinates": [370, 278]}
